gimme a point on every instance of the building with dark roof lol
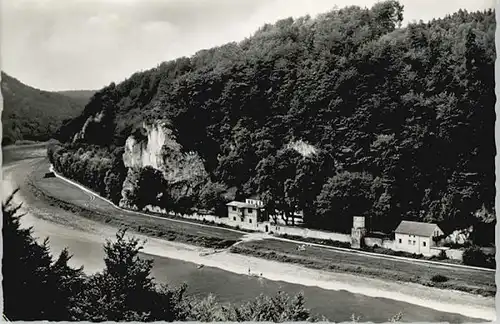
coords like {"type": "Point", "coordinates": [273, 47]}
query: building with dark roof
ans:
{"type": "Point", "coordinates": [416, 237]}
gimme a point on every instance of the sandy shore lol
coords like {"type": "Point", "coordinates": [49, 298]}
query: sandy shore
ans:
{"type": "Point", "coordinates": [442, 300]}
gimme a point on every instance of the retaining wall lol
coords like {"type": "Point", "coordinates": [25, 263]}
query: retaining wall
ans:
{"type": "Point", "coordinates": [304, 232]}
{"type": "Point", "coordinates": [308, 233]}
{"type": "Point", "coordinates": [380, 242]}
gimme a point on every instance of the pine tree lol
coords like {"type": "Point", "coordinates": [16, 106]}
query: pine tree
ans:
{"type": "Point", "coordinates": [35, 287]}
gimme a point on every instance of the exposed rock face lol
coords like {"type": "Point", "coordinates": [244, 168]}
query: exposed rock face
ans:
{"type": "Point", "coordinates": [159, 149]}
{"type": "Point", "coordinates": [303, 148]}
{"type": "Point", "coordinates": [139, 153]}
{"type": "Point", "coordinates": [82, 135]}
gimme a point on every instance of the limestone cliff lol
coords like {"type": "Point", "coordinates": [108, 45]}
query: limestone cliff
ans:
{"type": "Point", "coordinates": [157, 147]}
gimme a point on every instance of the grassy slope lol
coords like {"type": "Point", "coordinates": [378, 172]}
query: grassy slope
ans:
{"type": "Point", "coordinates": [68, 197]}
{"type": "Point", "coordinates": [33, 114]}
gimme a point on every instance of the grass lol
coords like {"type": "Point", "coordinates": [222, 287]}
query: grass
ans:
{"type": "Point", "coordinates": [375, 249]}
{"type": "Point", "coordinates": [63, 195]}
{"type": "Point", "coordinates": [346, 245]}
{"type": "Point", "coordinates": [467, 280]}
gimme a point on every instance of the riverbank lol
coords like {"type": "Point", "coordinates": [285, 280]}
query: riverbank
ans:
{"type": "Point", "coordinates": [319, 258]}
{"type": "Point", "coordinates": [228, 286]}
{"type": "Point", "coordinates": [456, 302]}
{"type": "Point", "coordinates": [474, 281]}
{"type": "Point", "coordinates": [59, 193]}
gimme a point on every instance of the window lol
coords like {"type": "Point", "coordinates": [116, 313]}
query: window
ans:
{"type": "Point", "coordinates": [400, 241]}
{"type": "Point", "coordinates": [250, 210]}
{"type": "Point", "coordinates": [424, 243]}
{"type": "Point", "coordinates": [414, 242]}
{"type": "Point", "coordinates": [250, 220]}
{"type": "Point", "coordinates": [409, 242]}
{"type": "Point", "coordinates": [234, 208]}
{"type": "Point", "coordinates": [234, 218]}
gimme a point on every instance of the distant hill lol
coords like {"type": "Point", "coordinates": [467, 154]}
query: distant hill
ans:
{"type": "Point", "coordinates": [83, 96]}
{"type": "Point", "coordinates": [33, 114]}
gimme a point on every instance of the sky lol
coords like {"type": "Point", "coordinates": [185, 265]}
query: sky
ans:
{"type": "Point", "coordinates": [87, 44]}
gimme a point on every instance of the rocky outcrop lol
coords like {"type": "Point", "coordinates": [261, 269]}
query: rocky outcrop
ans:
{"type": "Point", "coordinates": [156, 146]}
{"type": "Point", "coordinates": [303, 148]}
{"type": "Point", "coordinates": [151, 150]}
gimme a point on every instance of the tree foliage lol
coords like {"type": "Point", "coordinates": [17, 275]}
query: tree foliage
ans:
{"type": "Point", "coordinates": [33, 114]}
{"type": "Point", "coordinates": [410, 107]}
{"type": "Point", "coordinates": [35, 286]}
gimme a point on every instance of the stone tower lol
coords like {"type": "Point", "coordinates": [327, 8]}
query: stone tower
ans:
{"type": "Point", "coordinates": [358, 231]}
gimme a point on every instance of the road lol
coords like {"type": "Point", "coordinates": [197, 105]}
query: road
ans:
{"type": "Point", "coordinates": [448, 301]}
{"type": "Point", "coordinates": [429, 266]}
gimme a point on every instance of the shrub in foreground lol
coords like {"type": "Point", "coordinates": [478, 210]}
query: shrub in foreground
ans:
{"type": "Point", "coordinates": [37, 287]}
{"type": "Point", "coordinates": [439, 278]}
{"type": "Point", "coordinates": [474, 256]}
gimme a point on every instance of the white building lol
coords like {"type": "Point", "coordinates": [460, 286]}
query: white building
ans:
{"type": "Point", "coordinates": [247, 214]}
{"type": "Point", "coordinates": [243, 214]}
{"type": "Point", "coordinates": [255, 200]}
{"type": "Point", "coordinates": [416, 237]}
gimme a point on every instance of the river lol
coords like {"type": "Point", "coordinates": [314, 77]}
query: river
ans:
{"type": "Point", "coordinates": [336, 305]}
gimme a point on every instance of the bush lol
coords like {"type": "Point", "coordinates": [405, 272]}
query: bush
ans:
{"type": "Point", "coordinates": [474, 256]}
{"type": "Point", "coordinates": [439, 278]}
{"type": "Point", "coordinates": [442, 255]}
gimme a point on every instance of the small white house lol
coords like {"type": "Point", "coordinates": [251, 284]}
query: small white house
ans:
{"type": "Point", "coordinates": [416, 237]}
{"type": "Point", "coordinates": [243, 214]}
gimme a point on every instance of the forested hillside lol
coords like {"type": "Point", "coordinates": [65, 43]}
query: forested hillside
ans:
{"type": "Point", "coordinates": [82, 96]}
{"type": "Point", "coordinates": [32, 114]}
{"type": "Point", "coordinates": [344, 114]}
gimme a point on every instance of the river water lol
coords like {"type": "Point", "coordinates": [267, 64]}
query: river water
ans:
{"type": "Point", "coordinates": [230, 287]}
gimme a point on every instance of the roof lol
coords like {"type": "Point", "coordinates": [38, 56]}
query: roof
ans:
{"type": "Point", "coordinates": [416, 228]}
{"type": "Point", "coordinates": [255, 197]}
{"type": "Point", "coordinates": [242, 205]}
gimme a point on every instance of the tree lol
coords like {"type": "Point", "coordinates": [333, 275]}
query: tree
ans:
{"type": "Point", "coordinates": [211, 197]}
{"type": "Point", "coordinates": [474, 256]}
{"type": "Point", "coordinates": [144, 186]}
{"type": "Point", "coordinates": [35, 287]}
{"type": "Point", "coordinates": [277, 183]}
{"type": "Point", "coordinates": [278, 308]}
{"type": "Point", "coordinates": [115, 177]}
{"type": "Point", "coordinates": [342, 197]}
{"type": "Point", "coordinates": [125, 290]}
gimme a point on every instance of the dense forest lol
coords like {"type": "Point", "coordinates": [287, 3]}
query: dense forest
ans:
{"type": "Point", "coordinates": [344, 114]}
{"type": "Point", "coordinates": [32, 114]}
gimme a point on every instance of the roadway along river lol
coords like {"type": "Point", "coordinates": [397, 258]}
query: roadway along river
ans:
{"type": "Point", "coordinates": [84, 239]}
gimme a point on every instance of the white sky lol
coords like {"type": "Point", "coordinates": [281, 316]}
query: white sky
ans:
{"type": "Point", "coordinates": [86, 44]}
